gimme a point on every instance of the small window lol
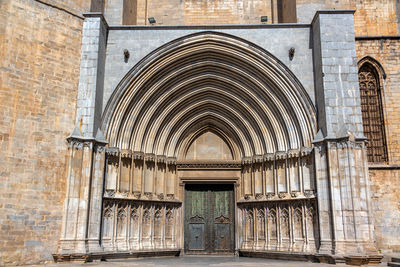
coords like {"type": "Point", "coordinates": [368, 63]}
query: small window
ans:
{"type": "Point", "coordinates": [129, 15]}
{"type": "Point", "coordinates": [372, 113]}
{"type": "Point", "coordinates": [287, 11]}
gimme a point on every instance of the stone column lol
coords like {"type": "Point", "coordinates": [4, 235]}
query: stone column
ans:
{"type": "Point", "coordinates": [96, 194]}
{"type": "Point", "coordinates": [171, 178]}
{"type": "Point", "coordinates": [343, 192]}
{"type": "Point", "coordinates": [82, 205]}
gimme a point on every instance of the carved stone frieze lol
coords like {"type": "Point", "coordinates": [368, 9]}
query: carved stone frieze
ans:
{"type": "Point", "coordinates": [270, 195]}
{"type": "Point", "coordinates": [259, 196]}
{"type": "Point", "coordinates": [283, 195]}
{"type": "Point", "coordinates": [148, 195]}
{"type": "Point", "coordinates": [208, 165]}
{"type": "Point", "coordinates": [279, 225]}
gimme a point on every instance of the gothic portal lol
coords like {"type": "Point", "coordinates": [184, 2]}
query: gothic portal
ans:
{"type": "Point", "coordinates": [210, 144]}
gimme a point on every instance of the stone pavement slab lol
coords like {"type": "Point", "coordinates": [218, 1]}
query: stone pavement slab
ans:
{"type": "Point", "coordinates": [192, 261]}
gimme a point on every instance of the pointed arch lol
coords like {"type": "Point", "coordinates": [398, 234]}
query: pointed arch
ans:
{"type": "Point", "coordinates": [217, 81]}
{"type": "Point", "coordinates": [371, 75]}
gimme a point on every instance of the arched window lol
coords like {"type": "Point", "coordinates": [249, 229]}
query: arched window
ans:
{"type": "Point", "coordinates": [372, 112]}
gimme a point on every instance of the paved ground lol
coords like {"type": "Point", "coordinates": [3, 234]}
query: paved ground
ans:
{"type": "Point", "coordinates": [191, 261]}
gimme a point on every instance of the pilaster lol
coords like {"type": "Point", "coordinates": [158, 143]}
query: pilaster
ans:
{"type": "Point", "coordinates": [342, 182]}
{"type": "Point", "coordinates": [91, 79]}
{"type": "Point", "coordinates": [82, 205]}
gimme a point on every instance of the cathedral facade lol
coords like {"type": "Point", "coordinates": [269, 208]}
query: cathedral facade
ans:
{"type": "Point", "coordinates": [250, 128]}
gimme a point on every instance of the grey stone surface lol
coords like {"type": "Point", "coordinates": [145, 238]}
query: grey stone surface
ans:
{"type": "Point", "coordinates": [218, 261]}
{"type": "Point", "coordinates": [337, 90]}
{"type": "Point", "coordinates": [91, 79]}
{"type": "Point", "coordinates": [141, 41]}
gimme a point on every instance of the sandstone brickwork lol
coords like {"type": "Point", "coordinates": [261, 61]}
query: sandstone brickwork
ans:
{"type": "Point", "coordinates": [40, 55]}
{"type": "Point", "coordinates": [386, 52]}
{"type": "Point", "coordinates": [385, 182]}
{"type": "Point", "coordinates": [385, 188]}
{"type": "Point", "coordinates": [372, 17]}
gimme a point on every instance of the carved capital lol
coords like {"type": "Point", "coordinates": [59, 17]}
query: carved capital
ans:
{"type": "Point", "coordinates": [257, 158]}
{"type": "Point", "coordinates": [171, 160]}
{"type": "Point", "coordinates": [150, 157]}
{"type": "Point", "coordinates": [112, 151]}
{"type": "Point", "coordinates": [138, 155]}
{"type": "Point", "coordinates": [269, 157]}
{"type": "Point", "coordinates": [246, 160]}
{"type": "Point", "coordinates": [126, 153]}
{"type": "Point", "coordinates": [305, 151]}
{"type": "Point", "coordinates": [293, 153]}
{"type": "Point", "coordinates": [279, 155]}
{"type": "Point", "coordinates": [161, 159]}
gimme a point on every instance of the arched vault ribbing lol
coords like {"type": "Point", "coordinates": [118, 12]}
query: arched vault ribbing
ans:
{"type": "Point", "coordinates": [209, 80]}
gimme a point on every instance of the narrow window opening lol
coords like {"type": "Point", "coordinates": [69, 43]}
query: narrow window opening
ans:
{"type": "Point", "coordinates": [372, 113]}
{"type": "Point", "coordinates": [287, 11]}
{"type": "Point", "coordinates": [129, 15]}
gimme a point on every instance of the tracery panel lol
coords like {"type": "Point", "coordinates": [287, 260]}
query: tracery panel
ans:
{"type": "Point", "coordinates": [130, 225]}
{"type": "Point", "coordinates": [372, 113]}
{"type": "Point", "coordinates": [284, 222]}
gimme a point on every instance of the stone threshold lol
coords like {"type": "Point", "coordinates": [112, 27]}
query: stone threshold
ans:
{"type": "Point", "coordinates": [314, 257]}
{"type": "Point", "coordinates": [103, 256]}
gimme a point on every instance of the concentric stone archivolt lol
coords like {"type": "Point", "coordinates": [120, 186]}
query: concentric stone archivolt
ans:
{"type": "Point", "coordinates": [210, 81]}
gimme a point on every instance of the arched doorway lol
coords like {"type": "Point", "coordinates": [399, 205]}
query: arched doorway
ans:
{"type": "Point", "coordinates": [209, 109]}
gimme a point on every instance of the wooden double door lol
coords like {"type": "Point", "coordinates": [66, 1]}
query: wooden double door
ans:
{"type": "Point", "coordinates": [209, 219]}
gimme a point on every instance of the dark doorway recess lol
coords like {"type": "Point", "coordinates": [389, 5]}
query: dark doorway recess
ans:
{"type": "Point", "coordinates": [209, 219]}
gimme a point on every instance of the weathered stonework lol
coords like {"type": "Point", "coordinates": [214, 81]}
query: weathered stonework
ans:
{"type": "Point", "coordinates": [40, 58]}
{"type": "Point", "coordinates": [273, 110]}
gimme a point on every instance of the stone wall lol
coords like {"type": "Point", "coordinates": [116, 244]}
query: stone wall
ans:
{"type": "Point", "coordinates": [372, 17]}
{"type": "Point", "coordinates": [385, 182]}
{"type": "Point", "coordinates": [386, 52]}
{"type": "Point", "coordinates": [40, 69]}
{"type": "Point", "coordinates": [385, 195]}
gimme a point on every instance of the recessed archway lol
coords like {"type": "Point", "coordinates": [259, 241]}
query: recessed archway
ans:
{"type": "Point", "coordinates": [259, 122]}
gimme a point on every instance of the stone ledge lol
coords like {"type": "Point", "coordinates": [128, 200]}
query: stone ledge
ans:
{"type": "Point", "coordinates": [321, 258]}
{"type": "Point", "coordinates": [280, 255]}
{"type": "Point", "coordinates": [89, 257]}
{"type": "Point", "coordinates": [384, 166]}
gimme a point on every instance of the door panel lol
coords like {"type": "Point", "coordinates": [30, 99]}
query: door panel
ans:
{"type": "Point", "coordinates": [196, 241]}
{"type": "Point", "coordinates": [209, 217]}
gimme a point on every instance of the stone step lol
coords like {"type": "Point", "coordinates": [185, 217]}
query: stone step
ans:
{"type": "Point", "coordinates": [395, 259]}
{"type": "Point", "coordinates": [394, 264]}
